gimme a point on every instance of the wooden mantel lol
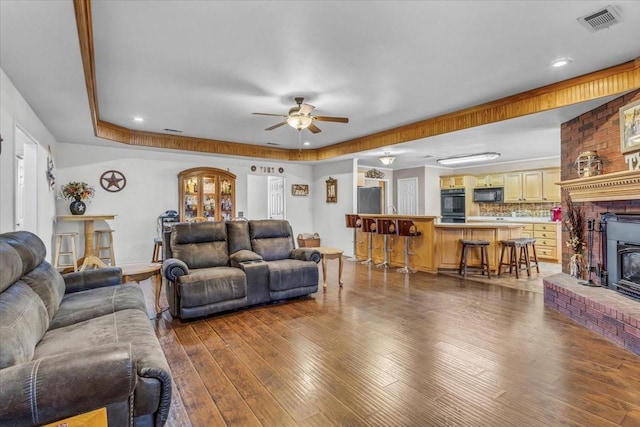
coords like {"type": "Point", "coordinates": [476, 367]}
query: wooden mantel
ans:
{"type": "Point", "coordinates": [623, 185]}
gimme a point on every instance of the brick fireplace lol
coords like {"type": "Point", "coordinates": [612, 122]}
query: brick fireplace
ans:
{"type": "Point", "coordinates": [610, 200]}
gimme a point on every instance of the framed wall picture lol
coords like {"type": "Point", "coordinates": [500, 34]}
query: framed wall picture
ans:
{"type": "Point", "coordinates": [630, 127]}
{"type": "Point", "coordinates": [332, 190]}
{"type": "Point", "coordinates": [300, 189]}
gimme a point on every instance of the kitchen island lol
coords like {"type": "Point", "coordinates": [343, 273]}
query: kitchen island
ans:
{"type": "Point", "coordinates": [447, 247]}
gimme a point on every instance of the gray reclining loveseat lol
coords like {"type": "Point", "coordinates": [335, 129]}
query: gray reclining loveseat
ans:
{"type": "Point", "coordinates": [212, 267]}
{"type": "Point", "coordinates": [75, 343]}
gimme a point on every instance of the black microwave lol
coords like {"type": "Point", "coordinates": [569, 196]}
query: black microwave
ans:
{"type": "Point", "coordinates": [488, 195]}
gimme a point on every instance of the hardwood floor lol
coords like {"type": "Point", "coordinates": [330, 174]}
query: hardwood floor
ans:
{"type": "Point", "coordinates": [390, 349]}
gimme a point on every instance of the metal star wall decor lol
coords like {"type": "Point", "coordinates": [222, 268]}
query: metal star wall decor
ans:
{"type": "Point", "coordinates": [113, 181]}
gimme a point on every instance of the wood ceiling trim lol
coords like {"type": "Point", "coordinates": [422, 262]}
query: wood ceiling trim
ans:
{"type": "Point", "coordinates": [610, 81]}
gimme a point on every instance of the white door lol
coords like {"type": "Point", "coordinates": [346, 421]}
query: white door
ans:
{"type": "Point", "coordinates": [276, 197]}
{"type": "Point", "coordinates": [26, 189]}
{"type": "Point", "coordinates": [408, 196]}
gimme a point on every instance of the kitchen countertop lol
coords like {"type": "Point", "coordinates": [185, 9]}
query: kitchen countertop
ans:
{"type": "Point", "coordinates": [479, 225]}
{"type": "Point", "coordinates": [521, 219]}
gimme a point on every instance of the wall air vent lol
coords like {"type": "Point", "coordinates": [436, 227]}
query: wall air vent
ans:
{"type": "Point", "coordinates": [601, 19]}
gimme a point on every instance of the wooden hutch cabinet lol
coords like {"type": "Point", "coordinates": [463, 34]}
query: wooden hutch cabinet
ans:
{"type": "Point", "coordinates": [207, 192]}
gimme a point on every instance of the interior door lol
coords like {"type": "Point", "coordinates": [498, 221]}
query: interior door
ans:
{"type": "Point", "coordinates": [26, 182]}
{"type": "Point", "coordinates": [276, 197]}
{"type": "Point", "coordinates": [408, 196]}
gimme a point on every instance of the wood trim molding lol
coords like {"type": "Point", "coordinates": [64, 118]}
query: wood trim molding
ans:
{"type": "Point", "coordinates": [623, 185]}
{"type": "Point", "coordinates": [610, 81]}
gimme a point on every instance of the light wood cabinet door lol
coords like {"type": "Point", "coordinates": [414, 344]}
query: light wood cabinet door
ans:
{"type": "Point", "coordinates": [490, 180]}
{"type": "Point", "coordinates": [550, 191]}
{"type": "Point", "coordinates": [513, 187]}
{"type": "Point", "coordinates": [532, 186]}
{"type": "Point", "coordinates": [452, 181]}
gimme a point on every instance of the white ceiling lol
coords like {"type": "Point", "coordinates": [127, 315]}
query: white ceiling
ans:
{"type": "Point", "coordinates": [204, 66]}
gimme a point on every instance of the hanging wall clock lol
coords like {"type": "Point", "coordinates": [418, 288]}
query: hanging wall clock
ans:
{"type": "Point", "coordinates": [113, 181]}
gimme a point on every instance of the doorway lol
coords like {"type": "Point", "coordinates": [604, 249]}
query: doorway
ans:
{"type": "Point", "coordinates": [26, 189]}
{"type": "Point", "coordinates": [276, 197]}
{"type": "Point", "coordinates": [265, 197]}
{"type": "Point", "coordinates": [408, 196]}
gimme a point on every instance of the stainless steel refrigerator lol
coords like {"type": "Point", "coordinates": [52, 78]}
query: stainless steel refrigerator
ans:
{"type": "Point", "coordinates": [370, 200]}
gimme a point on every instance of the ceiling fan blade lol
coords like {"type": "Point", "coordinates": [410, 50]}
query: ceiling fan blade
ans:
{"type": "Point", "coordinates": [305, 109]}
{"type": "Point", "coordinates": [313, 128]}
{"type": "Point", "coordinates": [276, 126]}
{"type": "Point", "coordinates": [331, 119]}
{"type": "Point", "coordinates": [268, 114]}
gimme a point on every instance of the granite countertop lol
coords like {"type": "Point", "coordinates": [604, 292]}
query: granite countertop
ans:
{"type": "Point", "coordinates": [520, 219]}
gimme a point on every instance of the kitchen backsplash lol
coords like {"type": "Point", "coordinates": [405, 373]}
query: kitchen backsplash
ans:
{"type": "Point", "coordinates": [520, 209]}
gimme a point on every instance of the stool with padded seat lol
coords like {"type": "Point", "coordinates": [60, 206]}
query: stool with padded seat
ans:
{"type": "Point", "coordinates": [484, 257]}
{"type": "Point", "coordinates": [532, 255]}
{"type": "Point", "coordinates": [101, 246]}
{"type": "Point", "coordinates": [369, 226]}
{"type": "Point", "coordinates": [386, 227]}
{"type": "Point", "coordinates": [353, 221]}
{"type": "Point", "coordinates": [67, 240]}
{"type": "Point", "coordinates": [518, 257]}
{"type": "Point", "coordinates": [407, 229]}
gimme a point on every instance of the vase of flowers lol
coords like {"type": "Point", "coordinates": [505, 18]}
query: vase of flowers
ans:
{"type": "Point", "coordinates": [574, 223]}
{"type": "Point", "coordinates": [78, 192]}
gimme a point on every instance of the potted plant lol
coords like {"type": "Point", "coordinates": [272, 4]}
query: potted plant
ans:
{"type": "Point", "coordinates": [79, 192]}
{"type": "Point", "coordinates": [574, 224]}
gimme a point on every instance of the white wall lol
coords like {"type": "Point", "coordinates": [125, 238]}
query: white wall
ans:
{"type": "Point", "coordinates": [329, 218]}
{"type": "Point", "coordinates": [152, 188]}
{"type": "Point", "coordinates": [16, 112]}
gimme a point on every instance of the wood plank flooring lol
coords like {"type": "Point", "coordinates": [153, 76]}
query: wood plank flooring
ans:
{"type": "Point", "coordinates": [390, 349]}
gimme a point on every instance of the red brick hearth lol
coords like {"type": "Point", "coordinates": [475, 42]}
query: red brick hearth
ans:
{"type": "Point", "coordinates": [612, 315]}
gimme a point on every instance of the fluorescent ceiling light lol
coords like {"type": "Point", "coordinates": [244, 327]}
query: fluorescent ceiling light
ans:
{"type": "Point", "coordinates": [560, 62]}
{"type": "Point", "coordinates": [468, 158]}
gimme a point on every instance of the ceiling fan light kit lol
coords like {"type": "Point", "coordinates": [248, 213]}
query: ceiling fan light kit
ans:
{"type": "Point", "coordinates": [299, 122]}
{"type": "Point", "coordinates": [300, 118]}
{"type": "Point", "coordinates": [468, 158]}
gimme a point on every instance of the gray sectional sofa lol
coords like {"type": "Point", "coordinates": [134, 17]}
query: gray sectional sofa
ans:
{"type": "Point", "coordinates": [213, 267]}
{"type": "Point", "coordinates": [74, 343]}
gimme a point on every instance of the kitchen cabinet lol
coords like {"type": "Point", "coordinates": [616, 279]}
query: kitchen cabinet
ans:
{"type": "Point", "coordinates": [207, 192]}
{"type": "Point", "coordinates": [458, 181]}
{"type": "Point", "coordinates": [490, 180]}
{"type": "Point", "coordinates": [550, 191]}
{"type": "Point", "coordinates": [523, 186]}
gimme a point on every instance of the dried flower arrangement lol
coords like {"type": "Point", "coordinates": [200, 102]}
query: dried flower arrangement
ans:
{"type": "Point", "coordinates": [574, 223]}
{"type": "Point", "coordinates": [78, 191]}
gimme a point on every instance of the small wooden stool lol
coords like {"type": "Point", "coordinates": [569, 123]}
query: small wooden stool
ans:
{"type": "Point", "coordinates": [519, 258]}
{"type": "Point", "coordinates": [157, 250]}
{"type": "Point", "coordinates": [70, 243]}
{"type": "Point", "coordinates": [527, 254]}
{"type": "Point", "coordinates": [484, 257]}
{"type": "Point", "coordinates": [100, 237]}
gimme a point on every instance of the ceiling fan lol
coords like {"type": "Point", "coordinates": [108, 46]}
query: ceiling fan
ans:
{"type": "Point", "coordinates": [300, 117]}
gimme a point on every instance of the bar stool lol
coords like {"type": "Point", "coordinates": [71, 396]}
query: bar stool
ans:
{"type": "Point", "coordinates": [407, 229]}
{"type": "Point", "coordinates": [353, 221]}
{"type": "Point", "coordinates": [518, 256]}
{"type": "Point", "coordinates": [101, 236]}
{"type": "Point", "coordinates": [386, 227]}
{"type": "Point", "coordinates": [369, 226]}
{"type": "Point", "coordinates": [157, 250]}
{"type": "Point", "coordinates": [484, 257]}
{"type": "Point", "coordinates": [69, 241]}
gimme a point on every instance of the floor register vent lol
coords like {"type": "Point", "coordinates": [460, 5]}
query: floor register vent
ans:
{"type": "Point", "coordinates": [601, 19]}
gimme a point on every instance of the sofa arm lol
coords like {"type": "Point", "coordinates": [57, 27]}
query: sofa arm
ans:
{"type": "Point", "coordinates": [306, 254]}
{"type": "Point", "coordinates": [91, 279]}
{"type": "Point", "coordinates": [57, 387]}
{"type": "Point", "coordinates": [173, 268]}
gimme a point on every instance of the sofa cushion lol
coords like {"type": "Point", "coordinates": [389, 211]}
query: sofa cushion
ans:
{"type": "Point", "coordinates": [84, 305]}
{"type": "Point", "coordinates": [10, 266]}
{"type": "Point", "coordinates": [200, 244]}
{"type": "Point", "coordinates": [273, 239]}
{"type": "Point", "coordinates": [48, 284]}
{"type": "Point", "coordinates": [291, 273]}
{"type": "Point", "coordinates": [243, 256]}
{"type": "Point", "coordinates": [132, 326]}
{"type": "Point", "coordinates": [238, 236]}
{"type": "Point", "coordinates": [28, 245]}
{"type": "Point", "coordinates": [23, 321]}
{"type": "Point", "coordinates": [211, 285]}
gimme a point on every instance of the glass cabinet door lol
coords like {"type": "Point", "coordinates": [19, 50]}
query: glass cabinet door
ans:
{"type": "Point", "coordinates": [190, 200]}
{"type": "Point", "coordinates": [209, 197]}
{"type": "Point", "coordinates": [226, 200]}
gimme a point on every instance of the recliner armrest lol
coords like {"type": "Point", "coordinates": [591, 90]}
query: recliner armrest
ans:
{"type": "Point", "coordinates": [306, 254]}
{"type": "Point", "coordinates": [173, 268]}
{"type": "Point", "coordinates": [57, 387]}
{"type": "Point", "coordinates": [91, 279]}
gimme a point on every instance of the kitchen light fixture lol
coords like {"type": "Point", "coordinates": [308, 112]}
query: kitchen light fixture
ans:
{"type": "Point", "coordinates": [387, 159]}
{"type": "Point", "coordinates": [560, 62]}
{"type": "Point", "coordinates": [138, 119]}
{"type": "Point", "coordinates": [468, 158]}
{"type": "Point", "coordinates": [299, 121]}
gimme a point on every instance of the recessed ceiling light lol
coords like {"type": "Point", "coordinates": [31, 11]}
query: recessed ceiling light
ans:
{"type": "Point", "coordinates": [307, 143]}
{"type": "Point", "coordinates": [560, 62]}
{"type": "Point", "coordinates": [138, 119]}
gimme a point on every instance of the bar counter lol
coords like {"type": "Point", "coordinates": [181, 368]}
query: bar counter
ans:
{"type": "Point", "coordinates": [437, 247]}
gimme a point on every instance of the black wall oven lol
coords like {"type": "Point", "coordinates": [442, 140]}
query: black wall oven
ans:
{"type": "Point", "coordinates": [452, 205]}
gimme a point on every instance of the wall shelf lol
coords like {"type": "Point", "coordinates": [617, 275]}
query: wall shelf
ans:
{"type": "Point", "coordinates": [623, 185]}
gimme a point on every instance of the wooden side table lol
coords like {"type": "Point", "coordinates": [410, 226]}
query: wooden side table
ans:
{"type": "Point", "coordinates": [97, 418]}
{"type": "Point", "coordinates": [138, 271]}
{"type": "Point", "coordinates": [330, 253]}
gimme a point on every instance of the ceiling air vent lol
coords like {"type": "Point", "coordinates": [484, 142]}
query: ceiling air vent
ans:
{"type": "Point", "coordinates": [601, 19]}
{"type": "Point", "coordinates": [272, 143]}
